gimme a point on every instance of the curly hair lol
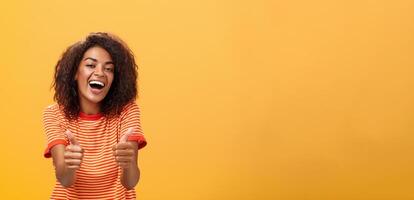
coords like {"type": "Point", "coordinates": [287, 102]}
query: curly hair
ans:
{"type": "Point", "coordinates": [124, 86]}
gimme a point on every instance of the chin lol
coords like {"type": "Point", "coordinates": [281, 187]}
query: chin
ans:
{"type": "Point", "coordinates": [95, 99]}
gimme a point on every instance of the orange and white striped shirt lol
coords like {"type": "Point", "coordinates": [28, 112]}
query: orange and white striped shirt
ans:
{"type": "Point", "coordinates": [98, 176]}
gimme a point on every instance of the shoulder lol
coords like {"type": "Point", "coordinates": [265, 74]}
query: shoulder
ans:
{"type": "Point", "coordinates": [53, 110]}
{"type": "Point", "coordinates": [131, 107]}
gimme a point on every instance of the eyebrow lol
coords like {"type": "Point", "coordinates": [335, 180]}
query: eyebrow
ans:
{"type": "Point", "coordinates": [95, 60]}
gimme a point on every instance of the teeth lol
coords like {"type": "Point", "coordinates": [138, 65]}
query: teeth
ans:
{"type": "Point", "coordinates": [97, 82]}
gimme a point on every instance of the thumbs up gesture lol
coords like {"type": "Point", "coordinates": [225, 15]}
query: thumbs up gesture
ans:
{"type": "Point", "coordinates": [73, 152]}
{"type": "Point", "coordinates": [126, 152]}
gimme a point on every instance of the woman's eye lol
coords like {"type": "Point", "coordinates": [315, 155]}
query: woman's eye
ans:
{"type": "Point", "coordinates": [91, 66]}
{"type": "Point", "coordinates": [109, 69]}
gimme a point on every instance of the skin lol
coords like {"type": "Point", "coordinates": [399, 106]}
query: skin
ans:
{"type": "Point", "coordinates": [96, 64]}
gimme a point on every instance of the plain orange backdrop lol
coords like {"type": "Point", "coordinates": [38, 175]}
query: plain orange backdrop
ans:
{"type": "Point", "coordinates": [246, 100]}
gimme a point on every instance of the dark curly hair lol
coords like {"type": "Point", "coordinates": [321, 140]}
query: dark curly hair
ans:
{"type": "Point", "coordinates": [124, 86]}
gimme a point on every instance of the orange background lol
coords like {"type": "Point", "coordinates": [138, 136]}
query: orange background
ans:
{"type": "Point", "coordinates": [263, 99]}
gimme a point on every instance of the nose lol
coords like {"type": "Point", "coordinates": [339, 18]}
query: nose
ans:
{"type": "Point", "coordinates": [98, 71]}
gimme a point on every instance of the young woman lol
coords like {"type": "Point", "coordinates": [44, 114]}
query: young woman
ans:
{"type": "Point", "coordinates": [93, 131]}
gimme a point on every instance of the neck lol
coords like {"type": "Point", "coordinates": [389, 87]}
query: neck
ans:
{"type": "Point", "coordinates": [90, 108]}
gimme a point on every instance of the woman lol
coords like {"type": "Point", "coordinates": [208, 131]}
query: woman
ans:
{"type": "Point", "coordinates": [93, 131]}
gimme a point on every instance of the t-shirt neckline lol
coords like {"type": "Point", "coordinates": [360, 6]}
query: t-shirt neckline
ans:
{"type": "Point", "coordinates": [83, 115]}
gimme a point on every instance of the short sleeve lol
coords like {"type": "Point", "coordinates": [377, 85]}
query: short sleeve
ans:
{"type": "Point", "coordinates": [130, 118]}
{"type": "Point", "coordinates": [53, 128]}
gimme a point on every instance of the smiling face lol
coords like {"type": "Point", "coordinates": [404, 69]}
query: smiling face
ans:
{"type": "Point", "coordinates": [94, 78]}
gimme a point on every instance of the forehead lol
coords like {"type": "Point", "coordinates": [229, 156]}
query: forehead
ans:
{"type": "Point", "coordinates": [97, 53]}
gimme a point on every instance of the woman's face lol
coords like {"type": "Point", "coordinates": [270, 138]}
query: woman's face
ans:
{"type": "Point", "coordinates": [94, 76]}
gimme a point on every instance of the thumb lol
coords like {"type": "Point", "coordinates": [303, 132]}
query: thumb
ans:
{"type": "Point", "coordinates": [71, 137]}
{"type": "Point", "coordinates": [129, 132]}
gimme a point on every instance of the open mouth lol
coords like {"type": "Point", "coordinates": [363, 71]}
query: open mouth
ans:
{"type": "Point", "coordinates": [96, 84]}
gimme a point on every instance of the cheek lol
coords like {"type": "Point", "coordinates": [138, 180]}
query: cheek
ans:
{"type": "Point", "coordinates": [81, 75]}
{"type": "Point", "coordinates": [110, 79]}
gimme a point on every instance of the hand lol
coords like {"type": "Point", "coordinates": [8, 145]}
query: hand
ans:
{"type": "Point", "coordinates": [126, 152]}
{"type": "Point", "coordinates": [73, 152]}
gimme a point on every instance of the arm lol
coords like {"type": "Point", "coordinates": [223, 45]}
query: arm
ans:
{"type": "Point", "coordinates": [66, 161]}
{"type": "Point", "coordinates": [126, 151]}
{"type": "Point", "coordinates": [126, 155]}
{"type": "Point", "coordinates": [64, 175]}
{"type": "Point", "coordinates": [130, 171]}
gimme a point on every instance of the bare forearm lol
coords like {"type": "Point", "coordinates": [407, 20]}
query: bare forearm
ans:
{"type": "Point", "coordinates": [65, 176]}
{"type": "Point", "coordinates": [66, 163]}
{"type": "Point", "coordinates": [126, 155]}
{"type": "Point", "coordinates": [130, 176]}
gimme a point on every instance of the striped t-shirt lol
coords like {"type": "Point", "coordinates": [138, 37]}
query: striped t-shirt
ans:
{"type": "Point", "coordinates": [99, 175]}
